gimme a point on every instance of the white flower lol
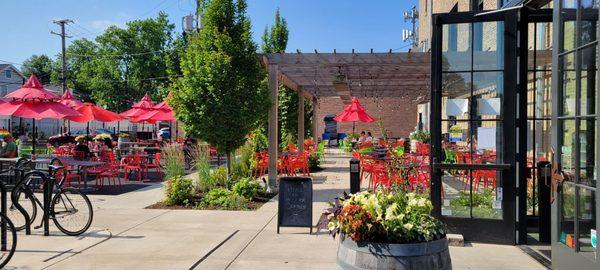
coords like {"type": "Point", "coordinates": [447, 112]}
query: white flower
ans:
{"type": "Point", "coordinates": [408, 226]}
{"type": "Point", "coordinates": [422, 202]}
{"type": "Point", "coordinates": [331, 226]}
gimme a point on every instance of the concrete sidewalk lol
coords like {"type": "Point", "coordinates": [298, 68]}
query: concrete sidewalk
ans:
{"type": "Point", "coordinates": [124, 235]}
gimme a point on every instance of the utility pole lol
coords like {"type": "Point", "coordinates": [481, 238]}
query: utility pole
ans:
{"type": "Point", "coordinates": [62, 35]}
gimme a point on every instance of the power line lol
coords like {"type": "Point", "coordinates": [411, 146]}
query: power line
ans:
{"type": "Point", "coordinates": [9, 62]}
{"type": "Point", "coordinates": [115, 55]}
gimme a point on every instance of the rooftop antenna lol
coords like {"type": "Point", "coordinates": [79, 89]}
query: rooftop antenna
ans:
{"type": "Point", "coordinates": [410, 35]}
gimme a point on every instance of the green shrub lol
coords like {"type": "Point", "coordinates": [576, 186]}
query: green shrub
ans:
{"type": "Point", "coordinates": [259, 141]}
{"type": "Point", "coordinates": [205, 181]}
{"type": "Point", "coordinates": [219, 176]}
{"type": "Point", "coordinates": [179, 191]}
{"type": "Point", "coordinates": [482, 200]}
{"type": "Point", "coordinates": [174, 161]}
{"type": "Point", "coordinates": [420, 135]}
{"type": "Point", "coordinates": [224, 198]}
{"type": "Point", "coordinates": [246, 187]}
{"type": "Point", "coordinates": [314, 160]}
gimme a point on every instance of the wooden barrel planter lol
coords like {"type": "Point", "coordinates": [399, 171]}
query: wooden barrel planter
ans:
{"type": "Point", "coordinates": [418, 256]}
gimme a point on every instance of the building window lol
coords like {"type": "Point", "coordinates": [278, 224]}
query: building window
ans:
{"type": "Point", "coordinates": [3, 90]}
{"type": "Point", "coordinates": [8, 74]}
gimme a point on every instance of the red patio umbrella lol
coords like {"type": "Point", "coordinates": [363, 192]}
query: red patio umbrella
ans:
{"type": "Point", "coordinates": [139, 108]}
{"type": "Point", "coordinates": [90, 112]}
{"type": "Point", "coordinates": [354, 112]}
{"type": "Point", "coordinates": [68, 99]}
{"type": "Point", "coordinates": [161, 112]}
{"type": "Point", "coordinates": [34, 101]}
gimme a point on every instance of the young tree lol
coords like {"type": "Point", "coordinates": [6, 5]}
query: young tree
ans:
{"type": "Point", "coordinates": [40, 65]}
{"type": "Point", "coordinates": [274, 40]}
{"type": "Point", "coordinates": [219, 98]}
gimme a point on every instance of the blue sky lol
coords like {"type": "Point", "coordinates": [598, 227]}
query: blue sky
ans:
{"type": "Point", "coordinates": [314, 24]}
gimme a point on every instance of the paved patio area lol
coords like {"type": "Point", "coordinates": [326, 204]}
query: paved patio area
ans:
{"type": "Point", "coordinates": [124, 235]}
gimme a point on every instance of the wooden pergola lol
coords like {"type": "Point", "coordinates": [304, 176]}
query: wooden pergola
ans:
{"type": "Point", "coordinates": [342, 75]}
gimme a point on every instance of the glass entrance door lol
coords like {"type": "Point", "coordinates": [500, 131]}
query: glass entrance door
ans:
{"type": "Point", "coordinates": [575, 136]}
{"type": "Point", "coordinates": [473, 122]}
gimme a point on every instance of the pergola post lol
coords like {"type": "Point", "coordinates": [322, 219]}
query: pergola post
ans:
{"type": "Point", "coordinates": [300, 122]}
{"type": "Point", "coordinates": [314, 120]}
{"type": "Point", "coordinates": [273, 145]}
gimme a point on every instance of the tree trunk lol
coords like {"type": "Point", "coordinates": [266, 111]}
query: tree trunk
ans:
{"type": "Point", "coordinates": [228, 163]}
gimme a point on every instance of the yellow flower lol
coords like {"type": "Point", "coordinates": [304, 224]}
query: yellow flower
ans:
{"type": "Point", "coordinates": [408, 226]}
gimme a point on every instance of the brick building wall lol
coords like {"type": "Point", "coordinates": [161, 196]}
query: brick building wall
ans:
{"type": "Point", "coordinates": [399, 114]}
{"type": "Point", "coordinates": [429, 7]}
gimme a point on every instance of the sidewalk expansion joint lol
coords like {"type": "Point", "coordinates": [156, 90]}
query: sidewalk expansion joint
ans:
{"type": "Point", "coordinates": [250, 242]}
{"type": "Point", "coordinates": [213, 250]}
{"type": "Point", "coordinates": [102, 241]}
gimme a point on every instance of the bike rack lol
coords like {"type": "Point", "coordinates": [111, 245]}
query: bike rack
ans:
{"type": "Point", "coordinates": [19, 180]}
{"type": "Point", "coordinates": [3, 191]}
{"type": "Point", "coordinates": [47, 184]}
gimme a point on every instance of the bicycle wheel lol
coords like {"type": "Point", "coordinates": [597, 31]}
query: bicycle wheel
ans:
{"type": "Point", "coordinates": [7, 247]}
{"type": "Point", "coordinates": [72, 211]}
{"type": "Point", "coordinates": [27, 201]}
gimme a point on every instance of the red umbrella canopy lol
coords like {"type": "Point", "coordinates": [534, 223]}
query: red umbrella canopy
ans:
{"type": "Point", "coordinates": [354, 112]}
{"type": "Point", "coordinates": [91, 112]}
{"type": "Point", "coordinates": [162, 112]}
{"type": "Point", "coordinates": [36, 110]}
{"type": "Point", "coordinates": [141, 107]}
{"type": "Point", "coordinates": [68, 100]}
{"type": "Point", "coordinates": [31, 90]}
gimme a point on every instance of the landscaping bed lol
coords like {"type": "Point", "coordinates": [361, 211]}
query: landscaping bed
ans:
{"type": "Point", "coordinates": [254, 204]}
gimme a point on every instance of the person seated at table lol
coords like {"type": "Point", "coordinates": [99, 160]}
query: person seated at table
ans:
{"type": "Point", "coordinates": [9, 148]}
{"type": "Point", "coordinates": [363, 137]}
{"type": "Point", "coordinates": [369, 137]}
{"type": "Point", "coordinates": [82, 146]}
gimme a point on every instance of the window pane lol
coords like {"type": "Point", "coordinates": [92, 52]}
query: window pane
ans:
{"type": "Point", "coordinates": [587, 149]}
{"type": "Point", "coordinates": [588, 81]}
{"type": "Point", "coordinates": [488, 94]}
{"type": "Point", "coordinates": [568, 148]}
{"type": "Point", "coordinates": [456, 47]}
{"type": "Point", "coordinates": [543, 46]}
{"type": "Point", "coordinates": [567, 216]}
{"type": "Point", "coordinates": [488, 50]}
{"type": "Point", "coordinates": [539, 94]}
{"type": "Point", "coordinates": [487, 194]}
{"type": "Point", "coordinates": [587, 221]}
{"type": "Point", "coordinates": [454, 140]}
{"type": "Point", "coordinates": [568, 93]}
{"type": "Point", "coordinates": [568, 18]}
{"type": "Point", "coordinates": [487, 142]}
{"type": "Point", "coordinates": [456, 198]}
{"type": "Point", "coordinates": [456, 93]}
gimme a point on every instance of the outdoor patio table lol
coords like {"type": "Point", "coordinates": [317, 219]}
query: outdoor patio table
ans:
{"type": "Point", "coordinates": [84, 165]}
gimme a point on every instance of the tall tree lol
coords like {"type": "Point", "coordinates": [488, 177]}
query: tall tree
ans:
{"type": "Point", "coordinates": [219, 98]}
{"type": "Point", "coordinates": [40, 65]}
{"type": "Point", "coordinates": [274, 40]}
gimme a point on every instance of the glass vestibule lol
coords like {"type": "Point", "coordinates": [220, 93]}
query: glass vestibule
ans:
{"type": "Point", "coordinates": [575, 135]}
{"type": "Point", "coordinates": [472, 114]}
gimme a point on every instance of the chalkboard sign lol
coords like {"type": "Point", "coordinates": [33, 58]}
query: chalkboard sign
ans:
{"type": "Point", "coordinates": [295, 202]}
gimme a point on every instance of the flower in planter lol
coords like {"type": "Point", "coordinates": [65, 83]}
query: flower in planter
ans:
{"type": "Point", "coordinates": [384, 216]}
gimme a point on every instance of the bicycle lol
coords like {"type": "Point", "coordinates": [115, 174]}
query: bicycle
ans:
{"type": "Point", "coordinates": [70, 210]}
